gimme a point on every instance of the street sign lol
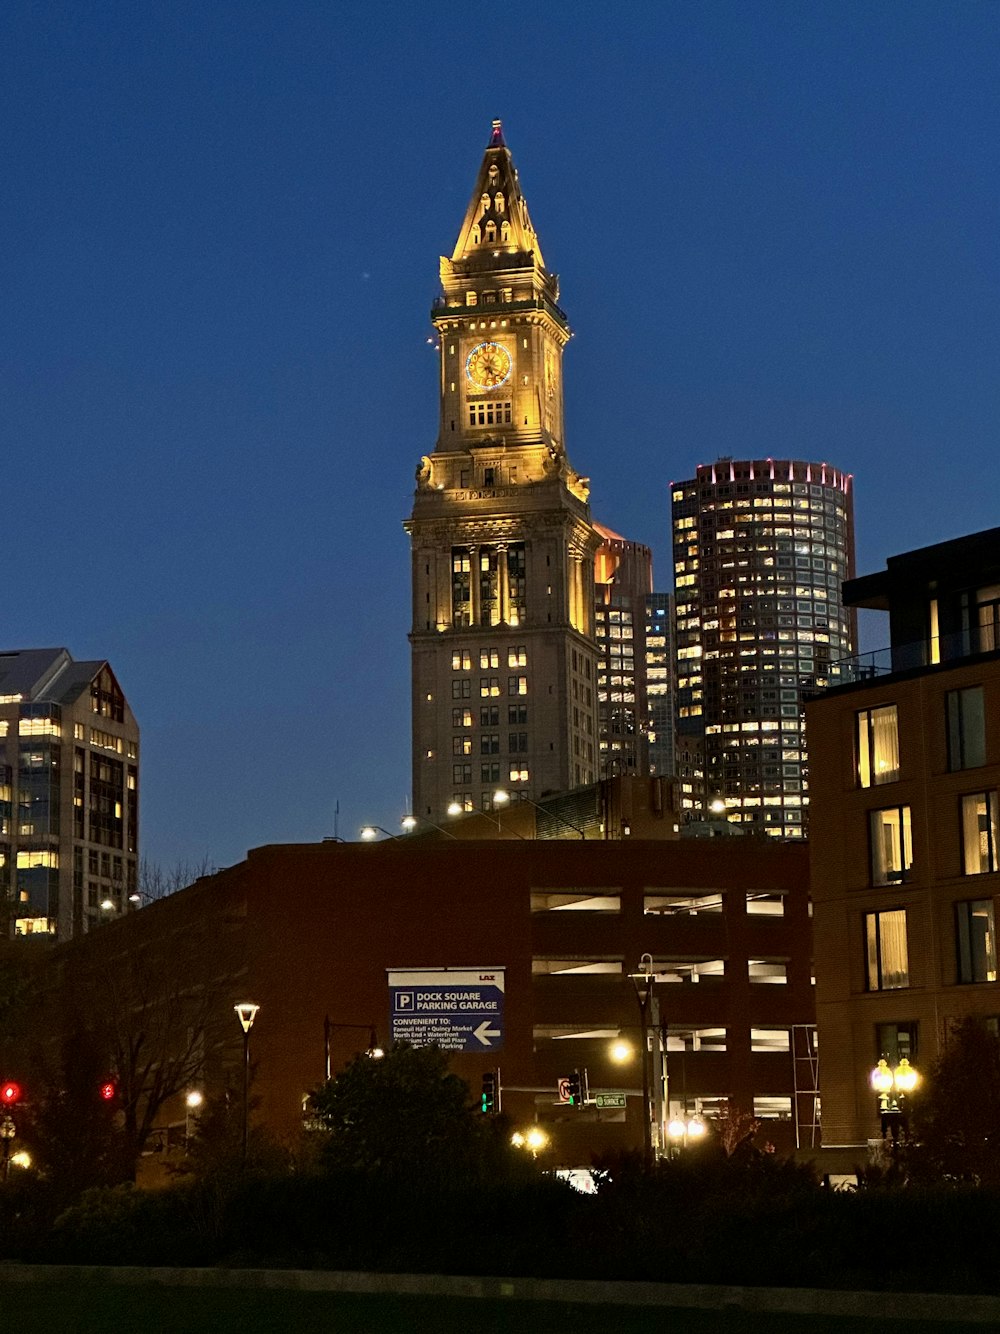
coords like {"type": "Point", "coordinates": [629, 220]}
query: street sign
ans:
{"type": "Point", "coordinates": [458, 1009]}
{"type": "Point", "coordinates": [562, 1090]}
{"type": "Point", "coordinates": [616, 1100]}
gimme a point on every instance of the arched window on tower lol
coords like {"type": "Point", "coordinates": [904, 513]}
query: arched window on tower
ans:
{"type": "Point", "coordinates": [498, 202]}
{"type": "Point", "coordinates": [494, 174]}
{"type": "Point", "coordinates": [491, 232]}
{"type": "Point", "coordinates": [505, 231]}
{"type": "Point", "coordinates": [475, 236]}
{"type": "Point", "coordinates": [484, 205]}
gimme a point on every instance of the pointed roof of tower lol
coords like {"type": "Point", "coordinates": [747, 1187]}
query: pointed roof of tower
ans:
{"type": "Point", "coordinates": [497, 217]}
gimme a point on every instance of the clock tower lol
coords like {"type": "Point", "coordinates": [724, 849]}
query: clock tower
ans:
{"type": "Point", "coordinates": [504, 658]}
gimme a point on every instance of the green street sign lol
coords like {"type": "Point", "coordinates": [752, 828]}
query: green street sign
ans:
{"type": "Point", "coordinates": [609, 1100]}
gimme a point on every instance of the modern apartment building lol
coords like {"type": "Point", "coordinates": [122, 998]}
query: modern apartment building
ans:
{"type": "Point", "coordinates": [504, 661]}
{"type": "Point", "coordinates": [761, 547]}
{"type": "Point", "coordinates": [905, 835]}
{"type": "Point", "coordinates": [69, 794]}
{"type": "Point", "coordinates": [623, 581]}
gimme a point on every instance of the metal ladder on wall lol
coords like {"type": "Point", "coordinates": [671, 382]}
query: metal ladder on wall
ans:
{"type": "Point", "coordinates": [805, 1083]}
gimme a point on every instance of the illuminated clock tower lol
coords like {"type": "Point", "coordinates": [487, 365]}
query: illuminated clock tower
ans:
{"type": "Point", "coordinates": [504, 658]}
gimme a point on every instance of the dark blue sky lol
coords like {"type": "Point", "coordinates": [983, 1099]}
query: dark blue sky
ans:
{"type": "Point", "coordinates": [776, 230]}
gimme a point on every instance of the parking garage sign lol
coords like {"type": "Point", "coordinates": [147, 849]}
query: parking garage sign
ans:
{"type": "Point", "coordinates": [456, 1009]}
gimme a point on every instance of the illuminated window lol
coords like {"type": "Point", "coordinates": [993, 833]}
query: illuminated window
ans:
{"type": "Point", "coordinates": [518, 773]}
{"type": "Point", "coordinates": [979, 833]}
{"type": "Point", "coordinates": [39, 727]}
{"type": "Point", "coordinates": [517, 656]}
{"type": "Point", "coordinates": [888, 966]}
{"type": "Point", "coordinates": [461, 717]}
{"type": "Point", "coordinates": [517, 685]}
{"type": "Point", "coordinates": [461, 745]}
{"type": "Point", "coordinates": [27, 860]}
{"type": "Point", "coordinates": [482, 413]}
{"type": "Point", "coordinates": [489, 686]}
{"type": "Point", "coordinates": [489, 657]}
{"type": "Point", "coordinates": [877, 745]}
{"type": "Point", "coordinates": [105, 740]}
{"type": "Point", "coordinates": [891, 844]}
{"type": "Point", "coordinates": [461, 662]}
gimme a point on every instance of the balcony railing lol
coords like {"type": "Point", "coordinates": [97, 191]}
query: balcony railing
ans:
{"type": "Point", "coordinates": [907, 657]}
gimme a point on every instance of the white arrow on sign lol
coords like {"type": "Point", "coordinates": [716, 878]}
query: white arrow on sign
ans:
{"type": "Point", "coordinates": [484, 1033]}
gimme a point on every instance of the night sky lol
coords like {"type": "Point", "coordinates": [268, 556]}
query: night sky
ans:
{"type": "Point", "coordinates": [776, 231]}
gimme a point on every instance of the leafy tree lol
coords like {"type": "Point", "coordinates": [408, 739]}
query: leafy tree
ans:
{"type": "Point", "coordinates": [407, 1113]}
{"type": "Point", "coordinates": [956, 1116]}
{"type": "Point", "coordinates": [75, 1137]}
{"type": "Point", "coordinates": [736, 1129]}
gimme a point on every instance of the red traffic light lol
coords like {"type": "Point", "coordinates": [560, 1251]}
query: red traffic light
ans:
{"type": "Point", "coordinates": [108, 1090]}
{"type": "Point", "coordinates": [10, 1093]}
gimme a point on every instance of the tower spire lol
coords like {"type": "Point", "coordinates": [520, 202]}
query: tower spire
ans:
{"type": "Point", "coordinates": [497, 220]}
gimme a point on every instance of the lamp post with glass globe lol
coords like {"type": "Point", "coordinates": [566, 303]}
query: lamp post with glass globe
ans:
{"type": "Point", "coordinates": [892, 1090]}
{"type": "Point", "coordinates": [683, 1131]}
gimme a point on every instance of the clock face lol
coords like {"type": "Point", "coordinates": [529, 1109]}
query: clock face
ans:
{"type": "Point", "coordinates": [488, 366]}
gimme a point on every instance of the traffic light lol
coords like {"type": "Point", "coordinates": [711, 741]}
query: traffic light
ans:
{"type": "Point", "coordinates": [108, 1091]}
{"type": "Point", "coordinates": [578, 1088]}
{"type": "Point", "coordinates": [490, 1103]}
{"type": "Point", "coordinates": [10, 1093]}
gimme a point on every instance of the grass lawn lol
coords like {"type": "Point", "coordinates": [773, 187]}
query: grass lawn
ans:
{"type": "Point", "coordinates": [89, 1309]}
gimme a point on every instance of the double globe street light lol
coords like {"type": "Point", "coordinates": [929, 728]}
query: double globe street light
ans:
{"type": "Point", "coordinates": [892, 1090]}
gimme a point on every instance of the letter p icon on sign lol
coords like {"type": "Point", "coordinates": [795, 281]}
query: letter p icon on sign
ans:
{"type": "Point", "coordinates": [404, 1000]}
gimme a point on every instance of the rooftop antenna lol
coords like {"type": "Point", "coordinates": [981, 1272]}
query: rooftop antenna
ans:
{"type": "Point", "coordinates": [336, 819]}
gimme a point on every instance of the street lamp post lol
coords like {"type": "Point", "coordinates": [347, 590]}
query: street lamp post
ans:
{"type": "Point", "coordinates": [191, 1104]}
{"type": "Point", "coordinates": [411, 822]}
{"type": "Point", "coordinates": [246, 1012]}
{"type": "Point", "coordinates": [892, 1090]}
{"type": "Point", "coordinates": [644, 982]}
{"type": "Point", "coordinates": [7, 1132]}
{"type": "Point", "coordinates": [456, 808]}
{"type": "Point", "coordinates": [534, 1139]}
{"type": "Point", "coordinates": [502, 798]}
{"type": "Point", "coordinates": [374, 1051]}
{"type": "Point", "coordinates": [685, 1130]}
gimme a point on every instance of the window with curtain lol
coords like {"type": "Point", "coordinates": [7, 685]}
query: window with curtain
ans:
{"type": "Point", "coordinates": [975, 941]}
{"type": "Point", "coordinates": [885, 942]}
{"type": "Point", "coordinates": [891, 844]}
{"type": "Point", "coordinates": [877, 746]}
{"type": "Point", "coordinates": [979, 832]}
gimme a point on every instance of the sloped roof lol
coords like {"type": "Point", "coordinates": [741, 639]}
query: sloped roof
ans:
{"type": "Point", "coordinates": [45, 673]}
